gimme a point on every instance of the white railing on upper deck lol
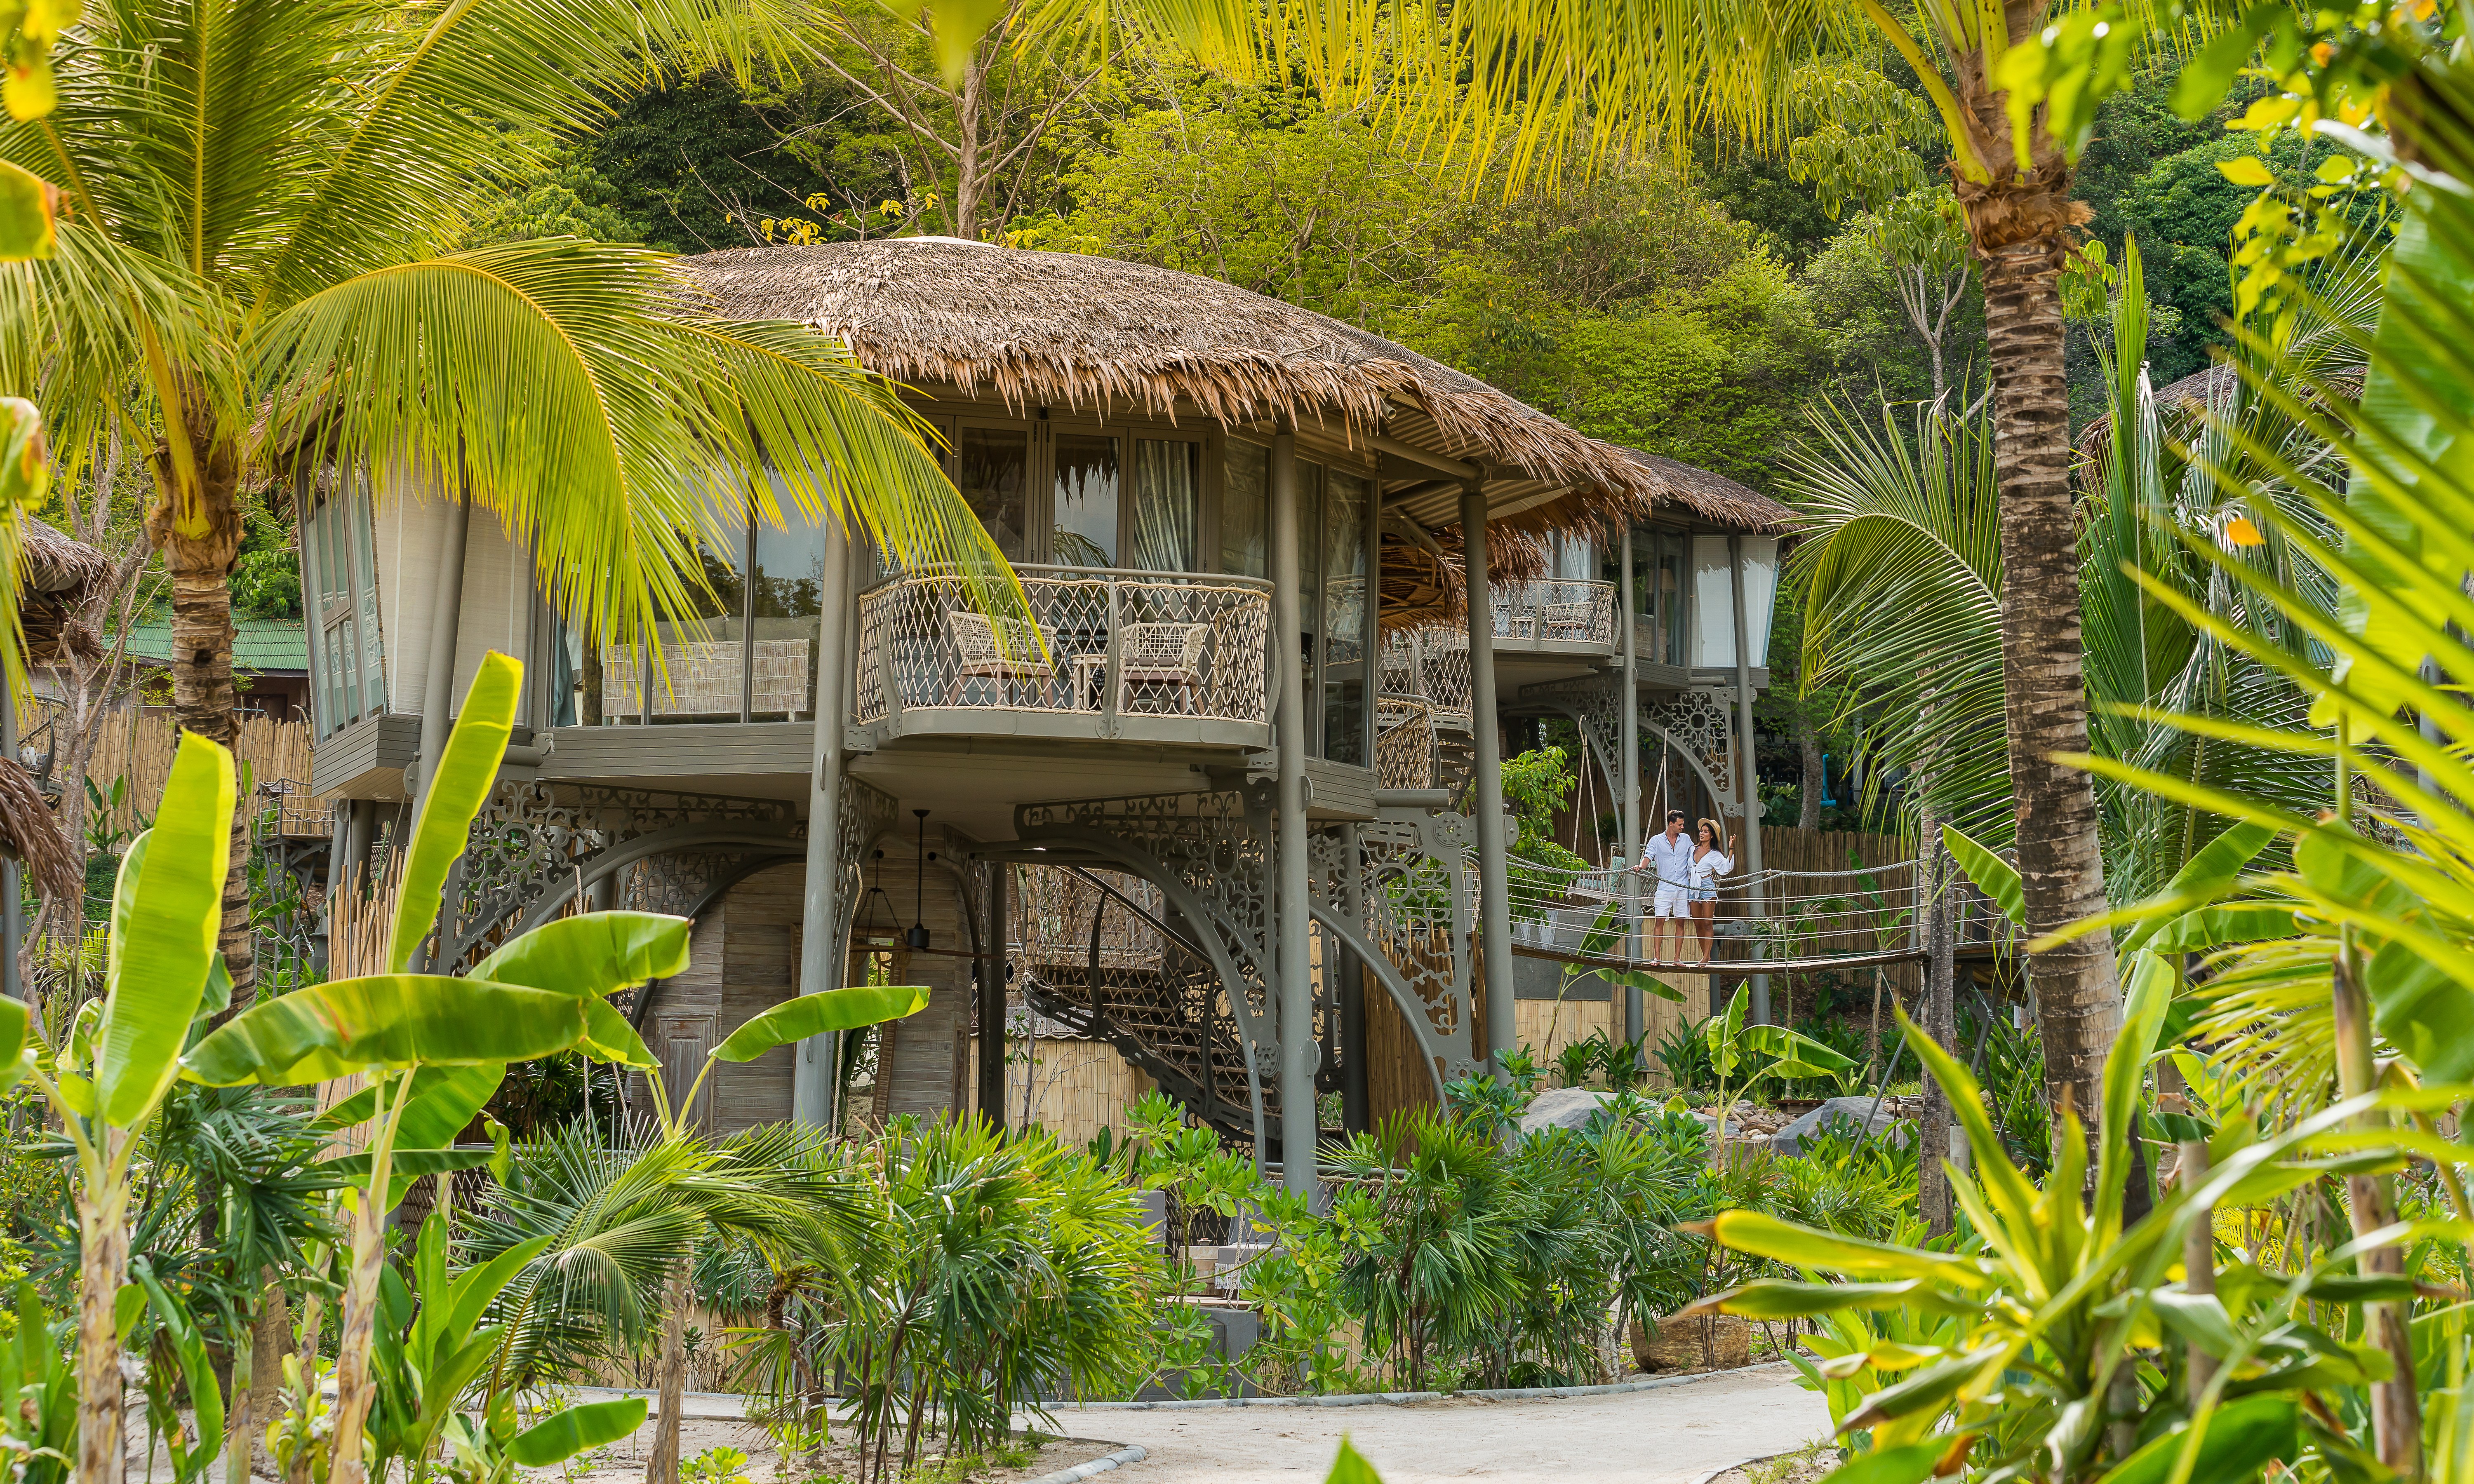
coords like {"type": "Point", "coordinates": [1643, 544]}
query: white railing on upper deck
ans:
{"type": "Point", "coordinates": [1128, 643]}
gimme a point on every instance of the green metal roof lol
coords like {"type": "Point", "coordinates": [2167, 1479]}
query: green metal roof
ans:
{"type": "Point", "coordinates": [263, 645]}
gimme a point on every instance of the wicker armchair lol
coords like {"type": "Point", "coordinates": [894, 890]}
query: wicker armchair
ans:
{"type": "Point", "coordinates": [1161, 662]}
{"type": "Point", "coordinates": [1027, 654]}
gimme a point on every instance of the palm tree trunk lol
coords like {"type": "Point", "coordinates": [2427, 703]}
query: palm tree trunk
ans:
{"type": "Point", "coordinates": [2061, 872]}
{"type": "Point", "coordinates": [102, 1237]}
{"type": "Point", "coordinates": [664, 1465]}
{"type": "Point", "coordinates": [1814, 767]}
{"type": "Point", "coordinates": [200, 545]}
{"type": "Point", "coordinates": [1940, 1008]}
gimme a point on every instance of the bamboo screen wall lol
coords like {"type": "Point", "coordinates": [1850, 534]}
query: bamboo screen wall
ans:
{"type": "Point", "coordinates": [137, 745]}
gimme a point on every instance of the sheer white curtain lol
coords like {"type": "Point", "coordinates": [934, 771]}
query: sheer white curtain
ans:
{"type": "Point", "coordinates": [1168, 505]}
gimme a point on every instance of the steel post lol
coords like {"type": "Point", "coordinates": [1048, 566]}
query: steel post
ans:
{"type": "Point", "coordinates": [814, 1073]}
{"type": "Point", "coordinates": [1628, 776]}
{"type": "Point", "coordinates": [1295, 987]}
{"type": "Point", "coordinates": [1748, 777]}
{"type": "Point", "coordinates": [1493, 870]}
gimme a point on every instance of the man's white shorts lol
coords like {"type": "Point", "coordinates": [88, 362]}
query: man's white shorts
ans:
{"type": "Point", "coordinates": [1671, 902]}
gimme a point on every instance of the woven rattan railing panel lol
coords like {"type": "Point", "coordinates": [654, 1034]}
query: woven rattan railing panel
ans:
{"type": "Point", "coordinates": [1175, 646]}
{"type": "Point", "coordinates": [1561, 610]}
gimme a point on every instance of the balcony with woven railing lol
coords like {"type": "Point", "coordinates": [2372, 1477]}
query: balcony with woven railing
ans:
{"type": "Point", "coordinates": [1556, 617]}
{"type": "Point", "coordinates": [1144, 656]}
{"type": "Point", "coordinates": [1430, 667]}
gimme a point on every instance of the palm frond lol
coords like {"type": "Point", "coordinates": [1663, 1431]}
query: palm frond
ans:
{"type": "Point", "coordinates": [552, 383]}
{"type": "Point", "coordinates": [1902, 571]}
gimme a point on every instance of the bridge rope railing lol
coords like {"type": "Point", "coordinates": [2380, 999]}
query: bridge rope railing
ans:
{"type": "Point", "coordinates": [1797, 918]}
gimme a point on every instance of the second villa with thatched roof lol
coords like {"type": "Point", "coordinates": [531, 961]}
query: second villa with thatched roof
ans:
{"type": "Point", "coordinates": [1221, 813]}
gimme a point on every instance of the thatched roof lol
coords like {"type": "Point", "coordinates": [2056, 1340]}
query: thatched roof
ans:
{"type": "Point", "coordinates": [50, 563]}
{"type": "Point", "coordinates": [32, 835]}
{"type": "Point", "coordinates": [54, 572]}
{"type": "Point", "coordinates": [1718, 499]}
{"type": "Point", "coordinates": [2196, 393]}
{"type": "Point", "coordinates": [1070, 331]}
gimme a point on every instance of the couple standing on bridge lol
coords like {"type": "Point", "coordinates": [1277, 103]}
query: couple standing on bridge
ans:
{"type": "Point", "coordinates": [1687, 868]}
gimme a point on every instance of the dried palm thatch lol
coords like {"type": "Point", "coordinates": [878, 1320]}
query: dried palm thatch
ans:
{"type": "Point", "coordinates": [53, 575]}
{"type": "Point", "coordinates": [31, 834]}
{"type": "Point", "coordinates": [1039, 328]}
{"type": "Point", "coordinates": [2193, 394]}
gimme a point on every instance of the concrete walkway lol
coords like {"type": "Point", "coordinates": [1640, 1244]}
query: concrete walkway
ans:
{"type": "Point", "coordinates": [1677, 1435]}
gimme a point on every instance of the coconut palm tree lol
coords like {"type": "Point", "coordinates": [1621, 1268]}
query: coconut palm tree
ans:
{"type": "Point", "coordinates": [1904, 586]}
{"type": "Point", "coordinates": [1540, 86]}
{"type": "Point", "coordinates": [255, 269]}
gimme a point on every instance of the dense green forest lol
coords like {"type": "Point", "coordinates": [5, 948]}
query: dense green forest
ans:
{"type": "Point", "coordinates": [1692, 310]}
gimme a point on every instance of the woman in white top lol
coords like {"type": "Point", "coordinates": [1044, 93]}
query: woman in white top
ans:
{"type": "Point", "coordinates": [1709, 862]}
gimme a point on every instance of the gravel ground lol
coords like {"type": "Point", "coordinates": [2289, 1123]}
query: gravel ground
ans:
{"type": "Point", "coordinates": [1674, 1435]}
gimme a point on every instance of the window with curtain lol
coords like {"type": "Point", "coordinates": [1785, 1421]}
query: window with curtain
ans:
{"type": "Point", "coordinates": [1244, 496]}
{"type": "Point", "coordinates": [1344, 618]}
{"type": "Point", "coordinates": [992, 471]}
{"type": "Point", "coordinates": [1085, 491]}
{"type": "Point", "coordinates": [1168, 506]}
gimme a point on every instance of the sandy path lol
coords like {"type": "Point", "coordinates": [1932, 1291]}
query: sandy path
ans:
{"type": "Point", "coordinates": [1673, 1435]}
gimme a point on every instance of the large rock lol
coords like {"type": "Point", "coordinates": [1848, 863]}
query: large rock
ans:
{"type": "Point", "coordinates": [1572, 1107]}
{"type": "Point", "coordinates": [1850, 1111]}
{"type": "Point", "coordinates": [1705, 1342]}
{"type": "Point", "coordinates": [1563, 1108]}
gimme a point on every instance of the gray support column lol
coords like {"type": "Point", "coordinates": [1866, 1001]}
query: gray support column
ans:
{"type": "Point", "coordinates": [992, 1002]}
{"type": "Point", "coordinates": [1628, 780]}
{"type": "Point", "coordinates": [1296, 989]}
{"type": "Point", "coordinates": [1356, 1105]}
{"type": "Point", "coordinates": [437, 704]}
{"type": "Point", "coordinates": [353, 828]}
{"type": "Point", "coordinates": [1748, 780]}
{"type": "Point", "coordinates": [1494, 871]}
{"type": "Point", "coordinates": [1373, 645]}
{"type": "Point", "coordinates": [813, 1071]}
{"type": "Point", "coordinates": [438, 686]}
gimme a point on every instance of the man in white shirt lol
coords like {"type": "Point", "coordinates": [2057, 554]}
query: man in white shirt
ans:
{"type": "Point", "coordinates": [1669, 854]}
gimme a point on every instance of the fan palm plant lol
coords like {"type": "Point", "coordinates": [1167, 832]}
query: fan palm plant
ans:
{"type": "Point", "coordinates": [256, 272]}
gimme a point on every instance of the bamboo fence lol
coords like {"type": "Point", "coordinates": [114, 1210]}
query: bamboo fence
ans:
{"type": "Point", "coordinates": [136, 745]}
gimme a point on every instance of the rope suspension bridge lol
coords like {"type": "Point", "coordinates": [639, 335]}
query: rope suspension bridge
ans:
{"type": "Point", "coordinates": [1773, 921]}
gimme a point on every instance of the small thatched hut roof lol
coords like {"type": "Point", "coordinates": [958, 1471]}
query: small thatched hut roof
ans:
{"type": "Point", "coordinates": [1075, 331]}
{"type": "Point", "coordinates": [53, 574]}
{"type": "Point", "coordinates": [2195, 394]}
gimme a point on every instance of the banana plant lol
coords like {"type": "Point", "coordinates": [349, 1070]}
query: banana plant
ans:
{"type": "Point", "coordinates": [432, 1347]}
{"type": "Point", "coordinates": [1733, 1046]}
{"type": "Point", "coordinates": [123, 1055]}
{"type": "Point", "coordinates": [435, 1045]}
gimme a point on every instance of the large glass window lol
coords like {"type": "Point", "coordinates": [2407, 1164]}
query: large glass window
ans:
{"type": "Point", "coordinates": [1661, 585]}
{"type": "Point", "coordinates": [1086, 499]}
{"type": "Point", "coordinates": [350, 683]}
{"type": "Point", "coordinates": [1166, 532]}
{"type": "Point", "coordinates": [786, 609]}
{"type": "Point", "coordinates": [1244, 494]}
{"type": "Point", "coordinates": [1344, 618]}
{"type": "Point", "coordinates": [992, 471]}
{"type": "Point", "coordinates": [743, 650]}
